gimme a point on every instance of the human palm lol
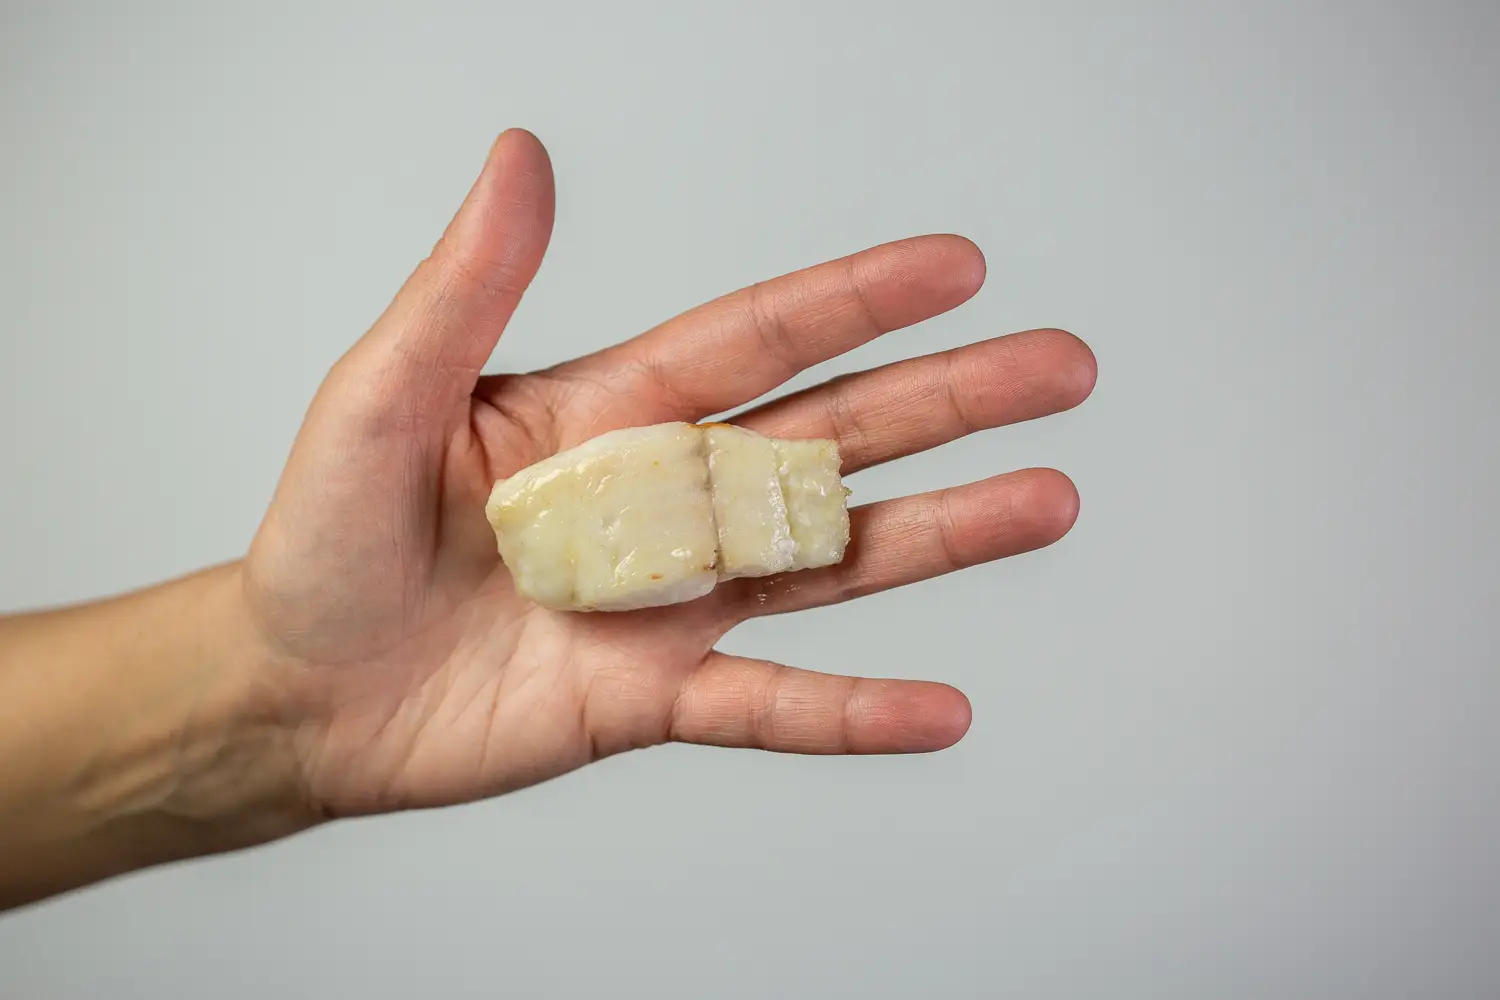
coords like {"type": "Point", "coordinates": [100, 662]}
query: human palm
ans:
{"type": "Point", "coordinates": [422, 678]}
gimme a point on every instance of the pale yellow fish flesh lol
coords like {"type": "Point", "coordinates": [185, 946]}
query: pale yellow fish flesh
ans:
{"type": "Point", "coordinates": [649, 516]}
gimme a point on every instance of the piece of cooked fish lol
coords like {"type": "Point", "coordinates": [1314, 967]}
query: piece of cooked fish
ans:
{"type": "Point", "coordinates": [647, 516]}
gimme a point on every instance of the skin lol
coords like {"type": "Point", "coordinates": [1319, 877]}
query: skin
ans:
{"type": "Point", "coordinates": [369, 654]}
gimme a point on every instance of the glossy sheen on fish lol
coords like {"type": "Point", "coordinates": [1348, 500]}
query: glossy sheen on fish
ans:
{"type": "Point", "coordinates": [657, 515]}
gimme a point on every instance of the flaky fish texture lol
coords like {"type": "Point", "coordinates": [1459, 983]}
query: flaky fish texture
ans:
{"type": "Point", "coordinates": [649, 516]}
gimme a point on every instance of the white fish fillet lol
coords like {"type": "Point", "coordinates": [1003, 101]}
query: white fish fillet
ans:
{"type": "Point", "coordinates": [750, 509]}
{"type": "Point", "coordinates": [817, 512]}
{"type": "Point", "coordinates": [657, 515]}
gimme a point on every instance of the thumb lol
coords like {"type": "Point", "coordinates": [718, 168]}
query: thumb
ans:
{"type": "Point", "coordinates": [443, 325]}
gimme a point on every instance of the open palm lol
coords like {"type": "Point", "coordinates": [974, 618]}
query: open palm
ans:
{"type": "Point", "coordinates": [421, 678]}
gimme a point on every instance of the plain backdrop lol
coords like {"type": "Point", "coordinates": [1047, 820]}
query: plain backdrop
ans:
{"type": "Point", "coordinates": [1236, 736]}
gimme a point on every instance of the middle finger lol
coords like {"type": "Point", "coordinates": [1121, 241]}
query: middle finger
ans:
{"type": "Point", "coordinates": [909, 406]}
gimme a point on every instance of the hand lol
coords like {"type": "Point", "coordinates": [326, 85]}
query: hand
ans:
{"type": "Point", "coordinates": [415, 674]}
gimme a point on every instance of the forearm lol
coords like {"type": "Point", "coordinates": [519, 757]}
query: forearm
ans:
{"type": "Point", "coordinates": [135, 731]}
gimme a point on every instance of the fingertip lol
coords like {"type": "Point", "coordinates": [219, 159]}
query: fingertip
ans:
{"type": "Point", "coordinates": [518, 158]}
{"type": "Point", "coordinates": [1070, 363]}
{"type": "Point", "coordinates": [1085, 367]}
{"type": "Point", "coordinates": [508, 214]}
{"type": "Point", "coordinates": [1050, 506]}
{"type": "Point", "coordinates": [917, 717]}
{"type": "Point", "coordinates": [967, 265]}
{"type": "Point", "coordinates": [518, 134]}
{"type": "Point", "coordinates": [518, 141]}
{"type": "Point", "coordinates": [952, 719]}
{"type": "Point", "coordinates": [914, 279]}
{"type": "Point", "coordinates": [956, 264]}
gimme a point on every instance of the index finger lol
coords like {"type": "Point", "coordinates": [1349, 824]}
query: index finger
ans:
{"type": "Point", "coordinates": [741, 345]}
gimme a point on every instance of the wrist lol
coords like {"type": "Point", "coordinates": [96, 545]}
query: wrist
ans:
{"type": "Point", "coordinates": [231, 774]}
{"type": "Point", "coordinates": [140, 730]}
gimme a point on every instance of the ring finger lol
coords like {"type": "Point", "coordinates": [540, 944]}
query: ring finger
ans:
{"type": "Point", "coordinates": [896, 542]}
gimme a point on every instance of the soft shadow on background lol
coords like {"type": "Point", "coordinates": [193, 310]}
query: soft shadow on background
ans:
{"type": "Point", "coordinates": [1234, 737]}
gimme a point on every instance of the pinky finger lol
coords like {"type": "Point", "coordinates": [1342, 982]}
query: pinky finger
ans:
{"type": "Point", "coordinates": [731, 701]}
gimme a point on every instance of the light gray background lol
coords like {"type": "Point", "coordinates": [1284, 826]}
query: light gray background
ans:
{"type": "Point", "coordinates": [1235, 737]}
